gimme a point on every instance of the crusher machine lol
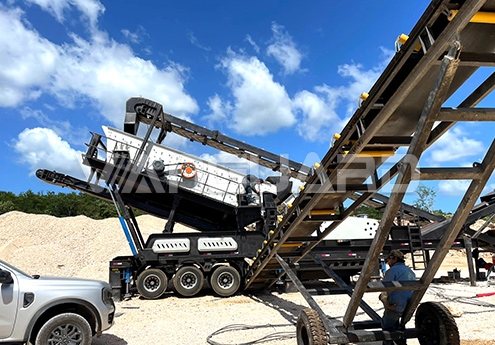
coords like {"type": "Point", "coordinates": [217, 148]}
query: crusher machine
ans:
{"type": "Point", "coordinates": [211, 199]}
{"type": "Point", "coordinates": [404, 108]}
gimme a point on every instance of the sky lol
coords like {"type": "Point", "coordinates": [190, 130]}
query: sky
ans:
{"type": "Point", "coordinates": [283, 76]}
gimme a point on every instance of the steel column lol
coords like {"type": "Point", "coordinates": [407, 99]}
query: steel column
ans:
{"type": "Point", "coordinates": [468, 244]}
{"type": "Point", "coordinates": [418, 145]}
{"type": "Point", "coordinates": [458, 220]}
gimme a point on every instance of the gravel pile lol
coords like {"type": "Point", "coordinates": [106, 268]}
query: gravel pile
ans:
{"type": "Point", "coordinates": [82, 247]}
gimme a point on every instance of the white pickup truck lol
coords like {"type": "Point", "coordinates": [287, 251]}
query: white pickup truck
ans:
{"type": "Point", "coordinates": [52, 311]}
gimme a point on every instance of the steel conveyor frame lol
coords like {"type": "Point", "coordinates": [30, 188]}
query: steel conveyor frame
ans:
{"type": "Point", "coordinates": [353, 142]}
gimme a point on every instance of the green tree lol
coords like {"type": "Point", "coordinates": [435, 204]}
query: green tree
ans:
{"type": "Point", "coordinates": [6, 206]}
{"type": "Point", "coordinates": [426, 198]}
{"type": "Point", "coordinates": [58, 204]}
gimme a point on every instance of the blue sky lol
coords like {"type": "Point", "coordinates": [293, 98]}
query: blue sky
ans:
{"type": "Point", "coordinates": [283, 76]}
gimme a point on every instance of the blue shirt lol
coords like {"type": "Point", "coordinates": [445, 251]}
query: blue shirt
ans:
{"type": "Point", "coordinates": [398, 272]}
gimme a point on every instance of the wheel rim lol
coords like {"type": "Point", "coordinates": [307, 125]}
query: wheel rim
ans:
{"type": "Point", "coordinates": [152, 283]}
{"type": "Point", "coordinates": [225, 280]}
{"type": "Point", "coordinates": [188, 280]}
{"type": "Point", "coordinates": [68, 334]}
{"type": "Point", "coordinates": [429, 329]}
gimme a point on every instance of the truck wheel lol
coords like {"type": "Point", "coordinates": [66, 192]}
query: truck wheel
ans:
{"type": "Point", "coordinates": [66, 328]}
{"type": "Point", "coordinates": [225, 281]}
{"type": "Point", "coordinates": [310, 329]}
{"type": "Point", "coordinates": [152, 283]}
{"type": "Point", "coordinates": [436, 324]}
{"type": "Point", "coordinates": [188, 281]}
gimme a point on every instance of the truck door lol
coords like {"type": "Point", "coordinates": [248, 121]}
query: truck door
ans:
{"type": "Point", "coordinates": [9, 299]}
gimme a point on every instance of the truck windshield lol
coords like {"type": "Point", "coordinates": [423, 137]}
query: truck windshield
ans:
{"type": "Point", "coordinates": [3, 264]}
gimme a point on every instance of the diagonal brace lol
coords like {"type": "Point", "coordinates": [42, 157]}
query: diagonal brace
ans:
{"type": "Point", "coordinates": [453, 229]}
{"type": "Point", "coordinates": [433, 104]}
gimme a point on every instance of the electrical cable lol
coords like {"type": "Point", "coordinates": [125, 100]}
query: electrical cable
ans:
{"type": "Point", "coordinates": [240, 327]}
{"type": "Point", "coordinates": [440, 293]}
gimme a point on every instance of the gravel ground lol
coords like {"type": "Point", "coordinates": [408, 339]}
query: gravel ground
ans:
{"type": "Point", "coordinates": [82, 247]}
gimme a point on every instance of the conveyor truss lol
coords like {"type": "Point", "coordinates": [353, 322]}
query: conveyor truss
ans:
{"type": "Point", "coordinates": [401, 110]}
{"type": "Point", "coordinates": [404, 109]}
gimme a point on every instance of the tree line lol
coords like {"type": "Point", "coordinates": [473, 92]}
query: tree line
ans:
{"type": "Point", "coordinates": [57, 204]}
{"type": "Point", "coordinates": [75, 204]}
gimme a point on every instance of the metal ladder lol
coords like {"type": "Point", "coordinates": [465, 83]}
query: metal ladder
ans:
{"type": "Point", "coordinates": [418, 255]}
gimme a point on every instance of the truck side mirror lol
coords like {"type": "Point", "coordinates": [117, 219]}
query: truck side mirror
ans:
{"type": "Point", "coordinates": [5, 277]}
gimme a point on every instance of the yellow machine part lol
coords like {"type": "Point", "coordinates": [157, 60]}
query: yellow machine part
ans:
{"type": "Point", "coordinates": [322, 212]}
{"type": "Point", "coordinates": [374, 153]}
{"type": "Point", "coordinates": [480, 17]}
{"type": "Point", "coordinates": [402, 39]}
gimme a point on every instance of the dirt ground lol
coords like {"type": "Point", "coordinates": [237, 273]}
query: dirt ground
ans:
{"type": "Point", "coordinates": [82, 247]}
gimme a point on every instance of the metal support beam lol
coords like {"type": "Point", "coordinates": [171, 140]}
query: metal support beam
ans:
{"type": "Point", "coordinates": [425, 174]}
{"type": "Point", "coordinates": [483, 227]}
{"type": "Point", "coordinates": [125, 214]}
{"type": "Point", "coordinates": [468, 244]}
{"type": "Point", "coordinates": [433, 104]}
{"type": "Point", "coordinates": [466, 114]}
{"type": "Point", "coordinates": [408, 208]}
{"type": "Point", "coordinates": [365, 306]}
{"type": "Point", "coordinates": [406, 285]}
{"type": "Point", "coordinates": [453, 229]}
{"type": "Point", "coordinates": [330, 325]}
{"type": "Point", "coordinates": [471, 101]}
{"type": "Point", "coordinates": [477, 59]}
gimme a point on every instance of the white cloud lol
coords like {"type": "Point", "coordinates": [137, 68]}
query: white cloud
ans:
{"type": "Point", "coordinates": [101, 71]}
{"type": "Point", "coordinates": [194, 41]}
{"type": "Point", "coordinates": [26, 67]}
{"type": "Point", "coordinates": [284, 50]}
{"type": "Point", "coordinates": [318, 114]}
{"type": "Point", "coordinates": [454, 187]}
{"type": "Point", "coordinates": [253, 43]}
{"type": "Point", "coordinates": [319, 108]}
{"type": "Point", "coordinates": [219, 110]}
{"type": "Point", "coordinates": [136, 36]}
{"type": "Point", "coordinates": [43, 148]}
{"type": "Point", "coordinates": [454, 145]}
{"type": "Point", "coordinates": [61, 128]}
{"type": "Point", "coordinates": [261, 105]}
{"type": "Point", "coordinates": [91, 9]}
{"type": "Point", "coordinates": [108, 73]}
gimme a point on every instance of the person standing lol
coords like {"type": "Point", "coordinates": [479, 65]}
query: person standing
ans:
{"type": "Point", "coordinates": [395, 302]}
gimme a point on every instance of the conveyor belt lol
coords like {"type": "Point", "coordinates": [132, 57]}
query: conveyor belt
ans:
{"type": "Point", "coordinates": [142, 110]}
{"type": "Point", "coordinates": [390, 115]}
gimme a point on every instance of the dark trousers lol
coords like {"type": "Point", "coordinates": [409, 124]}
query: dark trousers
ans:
{"type": "Point", "coordinates": [391, 323]}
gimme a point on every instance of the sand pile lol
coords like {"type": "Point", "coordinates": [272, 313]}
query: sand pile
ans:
{"type": "Point", "coordinates": [73, 247]}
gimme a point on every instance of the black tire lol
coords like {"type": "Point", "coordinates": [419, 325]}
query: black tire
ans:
{"type": "Point", "coordinates": [152, 283]}
{"type": "Point", "coordinates": [66, 328]}
{"type": "Point", "coordinates": [188, 281]}
{"type": "Point", "coordinates": [436, 324]}
{"type": "Point", "coordinates": [225, 281]}
{"type": "Point", "coordinates": [310, 329]}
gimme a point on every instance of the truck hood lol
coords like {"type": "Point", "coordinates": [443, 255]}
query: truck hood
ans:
{"type": "Point", "coordinates": [69, 282]}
